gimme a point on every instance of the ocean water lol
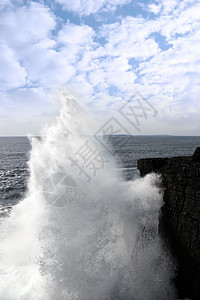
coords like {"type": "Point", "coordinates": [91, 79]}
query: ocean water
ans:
{"type": "Point", "coordinates": [15, 155]}
{"type": "Point", "coordinates": [69, 235]}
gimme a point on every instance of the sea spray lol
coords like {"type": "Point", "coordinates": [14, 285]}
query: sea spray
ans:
{"type": "Point", "coordinates": [102, 245]}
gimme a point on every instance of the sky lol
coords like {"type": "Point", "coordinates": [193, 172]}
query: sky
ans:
{"type": "Point", "coordinates": [104, 52]}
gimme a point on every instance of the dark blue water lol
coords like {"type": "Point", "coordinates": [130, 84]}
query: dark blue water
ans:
{"type": "Point", "coordinates": [15, 152]}
{"type": "Point", "coordinates": [14, 156]}
{"type": "Point", "coordinates": [137, 147]}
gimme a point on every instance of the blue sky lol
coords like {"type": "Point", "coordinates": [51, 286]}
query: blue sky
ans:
{"type": "Point", "coordinates": [102, 52]}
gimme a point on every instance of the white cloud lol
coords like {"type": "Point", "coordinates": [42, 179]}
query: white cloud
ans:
{"type": "Point", "coordinates": [27, 31]}
{"type": "Point", "coordinates": [162, 72]}
{"type": "Point", "coordinates": [173, 69]}
{"type": "Point", "coordinates": [81, 88]}
{"type": "Point", "coordinates": [35, 54]}
{"type": "Point", "coordinates": [130, 38]}
{"type": "Point", "coordinates": [46, 66]}
{"type": "Point", "coordinates": [169, 6]}
{"type": "Point", "coordinates": [72, 34]}
{"type": "Point", "coordinates": [4, 3]}
{"type": "Point", "coordinates": [87, 7]}
{"type": "Point", "coordinates": [26, 25]}
{"type": "Point", "coordinates": [12, 74]}
{"type": "Point", "coordinates": [154, 8]}
{"type": "Point", "coordinates": [119, 73]}
{"type": "Point", "coordinates": [97, 77]}
{"type": "Point", "coordinates": [25, 110]}
{"type": "Point", "coordinates": [181, 22]}
{"type": "Point", "coordinates": [109, 72]}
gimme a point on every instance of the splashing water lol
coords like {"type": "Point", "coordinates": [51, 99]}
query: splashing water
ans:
{"type": "Point", "coordinates": [102, 244]}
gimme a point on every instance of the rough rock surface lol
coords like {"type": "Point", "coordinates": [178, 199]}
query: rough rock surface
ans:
{"type": "Point", "coordinates": [180, 215]}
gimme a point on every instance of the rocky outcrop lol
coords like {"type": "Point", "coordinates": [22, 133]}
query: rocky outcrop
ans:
{"type": "Point", "coordinates": [180, 215]}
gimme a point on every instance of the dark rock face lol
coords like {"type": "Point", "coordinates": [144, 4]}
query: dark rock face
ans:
{"type": "Point", "coordinates": [196, 155]}
{"type": "Point", "coordinates": [180, 215]}
{"type": "Point", "coordinates": [151, 165]}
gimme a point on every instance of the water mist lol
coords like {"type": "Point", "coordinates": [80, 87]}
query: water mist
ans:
{"type": "Point", "coordinates": [101, 245]}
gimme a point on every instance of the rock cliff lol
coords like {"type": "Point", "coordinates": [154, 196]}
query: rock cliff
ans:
{"type": "Point", "coordinates": [180, 215]}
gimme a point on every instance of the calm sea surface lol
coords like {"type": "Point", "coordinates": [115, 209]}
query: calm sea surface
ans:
{"type": "Point", "coordinates": [15, 153]}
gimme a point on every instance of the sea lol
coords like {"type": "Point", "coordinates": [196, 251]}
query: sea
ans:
{"type": "Point", "coordinates": [15, 154]}
{"type": "Point", "coordinates": [85, 232]}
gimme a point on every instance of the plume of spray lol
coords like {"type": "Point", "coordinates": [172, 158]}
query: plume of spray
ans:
{"type": "Point", "coordinates": [99, 243]}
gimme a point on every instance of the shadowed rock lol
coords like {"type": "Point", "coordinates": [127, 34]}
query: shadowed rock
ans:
{"type": "Point", "coordinates": [196, 155]}
{"type": "Point", "coordinates": [180, 215]}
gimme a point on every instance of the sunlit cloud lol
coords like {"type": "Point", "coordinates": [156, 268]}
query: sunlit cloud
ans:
{"type": "Point", "coordinates": [152, 48]}
{"type": "Point", "coordinates": [83, 7]}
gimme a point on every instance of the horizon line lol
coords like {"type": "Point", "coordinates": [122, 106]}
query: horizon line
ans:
{"type": "Point", "coordinates": [109, 135]}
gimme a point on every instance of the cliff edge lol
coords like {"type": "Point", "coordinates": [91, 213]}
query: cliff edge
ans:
{"type": "Point", "coordinates": [180, 215]}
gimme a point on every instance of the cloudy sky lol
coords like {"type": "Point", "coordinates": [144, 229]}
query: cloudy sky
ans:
{"type": "Point", "coordinates": [103, 52]}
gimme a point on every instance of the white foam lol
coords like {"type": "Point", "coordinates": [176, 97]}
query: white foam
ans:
{"type": "Point", "coordinates": [103, 245]}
